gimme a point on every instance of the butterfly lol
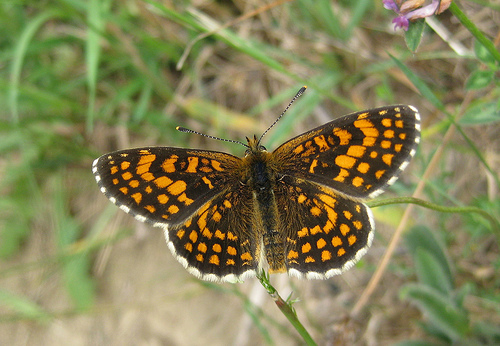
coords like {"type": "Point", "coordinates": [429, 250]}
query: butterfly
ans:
{"type": "Point", "coordinates": [298, 209]}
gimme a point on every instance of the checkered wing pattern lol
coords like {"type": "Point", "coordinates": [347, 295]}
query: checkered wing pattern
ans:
{"type": "Point", "coordinates": [357, 155]}
{"type": "Point", "coordinates": [297, 209]}
{"type": "Point", "coordinates": [217, 243]}
{"type": "Point", "coordinates": [326, 233]}
{"type": "Point", "coordinates": [163, 186]}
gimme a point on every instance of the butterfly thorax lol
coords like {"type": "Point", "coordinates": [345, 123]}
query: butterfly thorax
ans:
{"type": "Point", "coordinates": [261, 177]}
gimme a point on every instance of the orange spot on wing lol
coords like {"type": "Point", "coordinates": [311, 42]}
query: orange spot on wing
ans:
{"type": "Point", "coordinates": [345, 161]}
{"type": "Point", "coordinates": [147, 176]}
{"type": "Point", "coordinates": [321, 143]}
{"type": "Point", "coordinates": [163, 199]}
{"type": "Point", "coordinates": [246, 256]}
{"type": "Point", "coordinates": [208, 182]}
{"type": "Point", "coordinates": [162, 182]}
{"type": "Point", "coordinates": [344, 136]}
{"type": "Point", "coordinates": [303, 232]}
{"type": "Point", "coordinates": [336, 241]}
{"type": "Point", "coordinates": [352, 239]}
{"type": "Point", "coordinates": [193, 236]}
{"type": "Point", "coordinates": [184, 199]}
{"type": "Point", "coordinates": [169, 164]}
{"type": "Point", "coordinates": [357, 181]}
{"type": "Point", "coordinates": [315, 211]}
{"type": "Point", "coordinates": [321, 243]}
{"type": "Point", "coordinates": [216, 165]}
{"type": "Point", "coordinates": [202, 247]}
{"type": "Point", "coordinates": [344, 229]}
{"type": "Point", "coordinates": [387, 158]}
{"type": "Point", "coordinates": [306, 248]}
{"type": "Point", "coordinates": [389, 133]}
{"type": "Point", "coordinates": [363, 167]}
{"type": "Point", "coordinates": [315, 230]}
{"type": "Point", "coordinates": [214, 259]}
{"type": "Point", "coordinates": [177, 188]}
{"type": "Point", "coordinates": [356, 150]}
{"type": "Point", "coordinates": [137, 197]}
{"type": "Point", "coordinates": [231, 250]}
{"type": "Point", "coordinates": [193, 164]}
{"type": "Point", "coordinates": [173, 209]}
{"type": "Point", "coordinates": [217, 248]}
{"type": "Point", "coordinates": [127, 176]}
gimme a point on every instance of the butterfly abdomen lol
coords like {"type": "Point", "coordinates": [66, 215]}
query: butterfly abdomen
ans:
{"type": "Point", "coordinates": [262, 181]}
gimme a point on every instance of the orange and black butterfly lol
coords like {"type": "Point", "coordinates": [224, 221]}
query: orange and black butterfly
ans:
{"type": "Point", "coordinates": [297, 209]}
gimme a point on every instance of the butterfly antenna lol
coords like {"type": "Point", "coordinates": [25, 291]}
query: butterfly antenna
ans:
{"type": "Point", "coordinates": [183, 129]}
{"type": "Point", "coordinates": [297, 95]}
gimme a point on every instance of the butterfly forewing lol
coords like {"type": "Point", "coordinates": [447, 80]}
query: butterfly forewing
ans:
{"type": "Point", "coordinates": [358, 154]}
{"type": "Point", "coordinates": [163, 186]}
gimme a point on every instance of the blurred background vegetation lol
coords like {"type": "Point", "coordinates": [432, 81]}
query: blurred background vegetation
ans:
{"type": "Point", "coordinates": [82, 78]}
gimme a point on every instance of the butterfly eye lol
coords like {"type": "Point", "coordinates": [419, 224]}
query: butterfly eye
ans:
{"type": "Point", "coordinates": [262, 148]}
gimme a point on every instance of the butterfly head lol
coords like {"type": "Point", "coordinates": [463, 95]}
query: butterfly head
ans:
{"type": "Point", "coordinates": [254, 146]}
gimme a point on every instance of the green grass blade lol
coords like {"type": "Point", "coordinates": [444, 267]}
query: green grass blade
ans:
{"type": "Point", "coordinates": [20, 52]}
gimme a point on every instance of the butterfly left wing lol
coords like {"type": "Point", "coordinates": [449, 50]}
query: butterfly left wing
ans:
{"type": "Point", "coordinates": [163, 186]}
{"type": "Point", "coordinates": [359, 154]}
{"type": "Point", "coordinates": [218, 243]}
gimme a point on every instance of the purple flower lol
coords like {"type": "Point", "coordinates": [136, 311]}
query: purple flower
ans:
{"type": "Point", "coordinates": [413, 9]}
{"type": "Point", "coordinates": [390, 5]}
{"type": "Point", "coordinates": [401, 22]}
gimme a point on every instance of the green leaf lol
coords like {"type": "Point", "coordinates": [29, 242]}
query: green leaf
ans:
{"type": "Point", "coordinates": [483, 54]}
{"type": "Point", "coordinates": [431, 273]}
{"type": "Point", "coordinates": [23, 306]}
{"type": "Point", "coordinates": [414, 35]}
{"type": "Point", "coordinates": [421, 237]}
{"type": "Point", "coordinates": [439, 309]}
{"type": "Point", "coordinates": [78, 282]}
{"type": "Point", "coordinates": [19, 53]}
{"type": "Point", "coordinates": [481, 113]}
{"type": "Point", "coordinates": [479, 79]}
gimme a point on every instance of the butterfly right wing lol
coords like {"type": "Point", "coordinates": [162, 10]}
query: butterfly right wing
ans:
{"type": "Point", "coordinates": [358, 154]}
{"type": "Point", "coordinates": [325, 233]}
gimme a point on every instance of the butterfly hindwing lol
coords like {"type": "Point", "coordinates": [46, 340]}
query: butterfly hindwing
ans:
{"type": "Point", "coordinates": [217, 242]}
{"type": "Point", "coordinates": [325, 232]}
